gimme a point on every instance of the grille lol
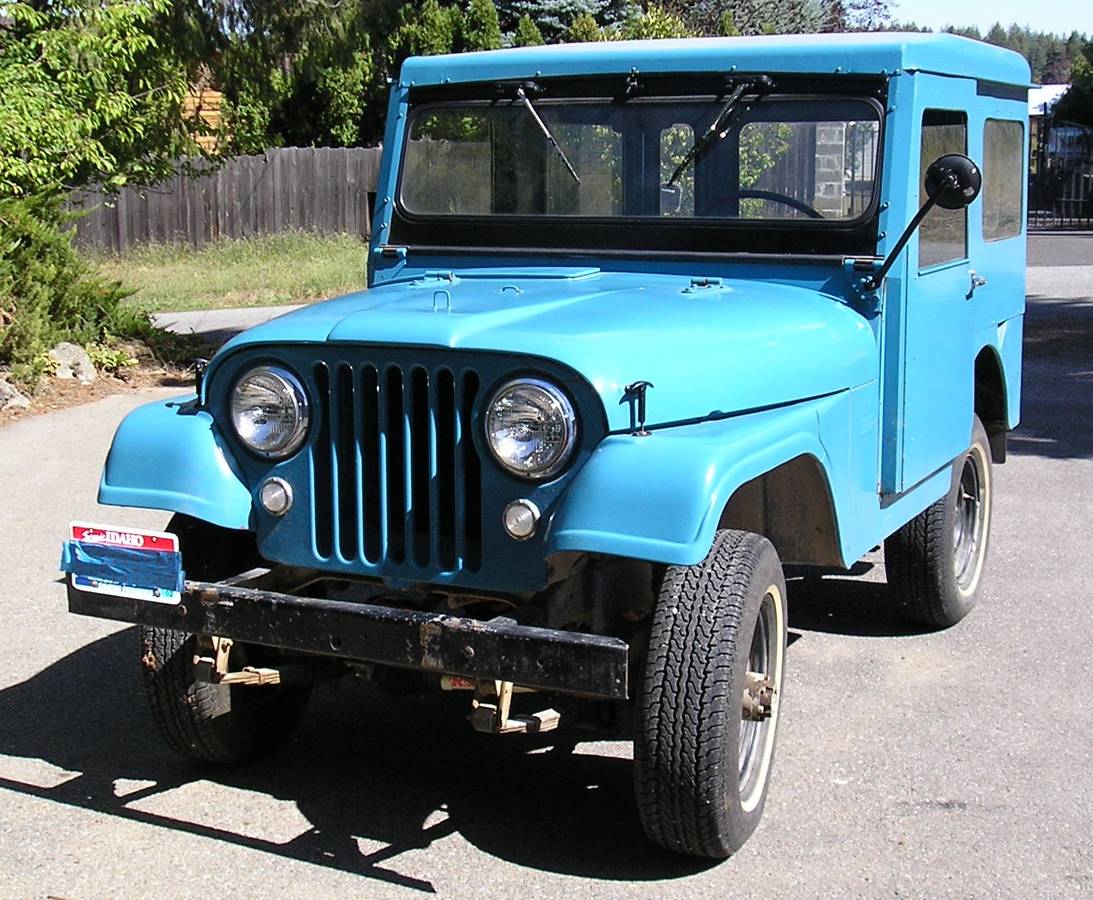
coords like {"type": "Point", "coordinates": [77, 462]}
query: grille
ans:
{"type": "Point", "coordinates": [397, 479]}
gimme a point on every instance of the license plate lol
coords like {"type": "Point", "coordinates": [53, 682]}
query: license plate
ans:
{"type": "Point", "coordinates": [132, 539]}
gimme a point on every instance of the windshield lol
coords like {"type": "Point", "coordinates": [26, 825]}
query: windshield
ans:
{"type": "Point", "coordinates": [776, 158]}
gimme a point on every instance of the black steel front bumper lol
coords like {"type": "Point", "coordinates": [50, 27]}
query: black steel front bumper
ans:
{"type": "Point", "coordinates": [558, 661]}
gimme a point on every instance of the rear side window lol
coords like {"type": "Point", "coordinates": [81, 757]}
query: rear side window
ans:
{"type": "Point", "coordinates": [943, 236]}
{"type": "Point", "coordinates": [1003, 153]}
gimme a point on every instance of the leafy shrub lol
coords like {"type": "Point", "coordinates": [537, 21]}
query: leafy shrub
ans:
{"type": "Point", "coordinates": [111, 359]}
{"type": "Point", "coordinates": [47, 293]}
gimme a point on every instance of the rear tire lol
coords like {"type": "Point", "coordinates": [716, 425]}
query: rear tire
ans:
{"type": "Point", "coordinates": [213, 722]}
{"type": "Point", "coordinates": [701, 771]}
{"type": "Point", "coordinates": [935, 562]}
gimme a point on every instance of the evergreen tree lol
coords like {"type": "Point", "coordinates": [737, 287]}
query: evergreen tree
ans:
{"type": "Point", "coordinates": [854, 15]}
{"type": "Point", "coordinates": [1076, 105]}
{"type": "Point", "coordinates": [425, 31]}
{"type": "Point", "coordinates": [833, 17]}
{"type": "Point", "coordinates": [868, 15]}
{"type": "Point", "coordinates": [585, 30]}
{"type": "Point", "coordinates": [1057, 70]}
{"type": "Point", "coordinates": [726, 25]}
{"type": "Point", "coordinates": [554, 17]}
{"type": "Point", "coordinates": [479, 29]}
{"type": "Point", "coordinates": [527, 33]}
{"type": "Point", "coordinates": [656, 22]}
{"type": "Point", "coordinates": [749, 16]}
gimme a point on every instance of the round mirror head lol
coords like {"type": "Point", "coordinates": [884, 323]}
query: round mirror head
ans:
{"type": "Point", "coordinates": [953, 181]}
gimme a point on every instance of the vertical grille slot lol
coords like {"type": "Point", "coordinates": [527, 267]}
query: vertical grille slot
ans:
{"type": "Point", "coordinates": [472, 478]}
{"type": "Point", "coordinates": [371, 463]}
{"type": "Point", "coordinates": [345, 461]}
{"type": "Point", "coordinates": [446, 464]}
{"type": "Point", "coordinates": [421, 463]}
{"type": "Point", "coordinates": [324, 536]}
{"type": "Point", "coordinates": [393, 431]}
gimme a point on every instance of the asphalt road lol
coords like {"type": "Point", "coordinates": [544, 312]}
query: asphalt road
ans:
{"type": "Point", "coordinates": [910, 764]}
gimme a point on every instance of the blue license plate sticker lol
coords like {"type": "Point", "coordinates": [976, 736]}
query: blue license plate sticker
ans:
{"type": "Point", "coordinates": [138, 542]}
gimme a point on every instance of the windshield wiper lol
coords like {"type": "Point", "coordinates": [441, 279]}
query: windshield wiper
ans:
{"type": "Point", "coordinates": [522, 96]}
{"type": "Point", "coordinates": [720, 125]}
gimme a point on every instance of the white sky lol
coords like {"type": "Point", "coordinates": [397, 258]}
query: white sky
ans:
{"type": "Point", "coordinates": [1059, 16]}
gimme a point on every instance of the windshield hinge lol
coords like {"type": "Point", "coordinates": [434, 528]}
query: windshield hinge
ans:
{"type": "Point", "coordinates": [388, 251]}
{"type": "Point", "coordinates": [860, 270]}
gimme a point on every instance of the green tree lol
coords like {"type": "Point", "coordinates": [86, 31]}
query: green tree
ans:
{"type": "Point", "coordinates": [656, 22]}
{"type": "Point", "coordinates": [726, 25]}
{"type": "Point", "coordinates": [749, 16]}
{"type": "Point", "coordinates": [853, 15]}
{"type": "Point", "coordinates": [89, 95]}
{"type": "Point", "coordinates": [585, 29]}
{"type": "Point", "coordinates": [423, 31]}
{"type": "Point", "coordinates": [479, 29]}
{"type": "Point", "coordinates": [527, 33]}
{"type": "Point", "coordinates": [343, 95]}
{"type": "Point", "coordinates": [554, 17]}
{"type": "Point", "coordinates": [1076, 105]}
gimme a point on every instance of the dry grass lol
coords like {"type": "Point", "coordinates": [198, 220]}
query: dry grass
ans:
{"type": "Point", "coordinates": [264, 271]}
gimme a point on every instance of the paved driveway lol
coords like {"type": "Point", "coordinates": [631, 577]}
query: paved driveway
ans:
{"type": "Point", "coordinates": [952, 764]}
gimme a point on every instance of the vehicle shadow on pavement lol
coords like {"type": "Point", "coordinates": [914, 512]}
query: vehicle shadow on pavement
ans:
{"type": "Point", "coordinates": [1057, 388]}
{"type": "Point", "coordinates": [844, 602]}
{"type": "Point", "coordinates": [375, 776]}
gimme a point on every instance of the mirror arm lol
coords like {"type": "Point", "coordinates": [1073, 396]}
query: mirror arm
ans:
{"type": "Point", "coordinates": [875, 281]}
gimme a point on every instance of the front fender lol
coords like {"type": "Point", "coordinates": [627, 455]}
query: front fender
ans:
{"type": "Point", "coordinates": [169, 455]}
{"type": "Point", "coordinates": [661, 497]}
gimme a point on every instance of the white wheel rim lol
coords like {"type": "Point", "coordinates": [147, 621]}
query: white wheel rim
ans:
{"type": "Point", "coordinates": [757, 738]}
{"type": "Point", "coordinates": [972, 521]}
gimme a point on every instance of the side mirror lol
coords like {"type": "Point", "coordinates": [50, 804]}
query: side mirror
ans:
{"type": "Point", "coordinates": [952, 182]}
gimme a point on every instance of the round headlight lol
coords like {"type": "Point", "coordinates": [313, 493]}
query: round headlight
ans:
{"type": "Point", "coordinates": [269, 411]}
{"type": "Point", "coordinates": [530, 427]}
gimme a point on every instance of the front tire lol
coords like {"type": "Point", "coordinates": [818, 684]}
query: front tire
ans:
{"type": "Point", "coordinates": [214, 723]}
{"type": "Point", "coordinates": [935, 562]}
{"type": "Point", "coordinates": [702, 750]}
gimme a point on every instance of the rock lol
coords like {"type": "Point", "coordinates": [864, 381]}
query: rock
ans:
{"type": "Point", "coordinates": [73, 362]}
{"type": "Point", "coordinates": [10, 398]}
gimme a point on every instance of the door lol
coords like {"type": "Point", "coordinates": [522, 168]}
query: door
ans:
{"type": "Point", "coordinates": [938, 370]}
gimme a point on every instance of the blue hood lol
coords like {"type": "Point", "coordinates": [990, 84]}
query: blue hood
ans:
{"type": "Point", "coordinates": [740, 344]}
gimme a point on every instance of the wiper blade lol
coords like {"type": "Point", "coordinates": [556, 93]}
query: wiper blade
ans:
{"type": "Point", "coordinates": [720, 125]}
{"type": "Point", "coordinates": [522, 96]}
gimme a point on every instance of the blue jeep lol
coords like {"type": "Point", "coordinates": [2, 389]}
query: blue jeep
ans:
{"type": "Point", "coordinates": [645, 322]}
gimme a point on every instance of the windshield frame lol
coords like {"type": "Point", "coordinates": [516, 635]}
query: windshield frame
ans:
{"type": "Point", "coordinates": [637, 233]}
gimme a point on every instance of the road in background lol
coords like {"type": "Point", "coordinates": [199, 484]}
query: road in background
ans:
{"type": "Point", "coordinates": [1066, 249]}
{"type": "Point", "coordinates": [917, 764]}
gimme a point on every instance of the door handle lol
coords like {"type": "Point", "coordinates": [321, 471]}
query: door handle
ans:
{"type": "Point", "coordinates": [977, 281]}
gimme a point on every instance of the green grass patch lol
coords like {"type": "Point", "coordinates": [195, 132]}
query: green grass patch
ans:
{"type": "Point", "coordinates": [261, 271]}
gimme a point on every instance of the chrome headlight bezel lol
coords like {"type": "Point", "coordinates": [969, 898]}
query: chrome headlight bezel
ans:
{"type": "Point", "coordinates": [566, 418]}
{"type": "Point", "coordinates": [292, 389]}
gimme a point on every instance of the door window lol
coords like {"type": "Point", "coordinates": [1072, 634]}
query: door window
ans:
{"type": "Point", "coordinates": [943, 236]}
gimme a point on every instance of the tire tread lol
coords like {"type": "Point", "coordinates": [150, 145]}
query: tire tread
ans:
{"type": "Point", "coordinates": [679, 755]}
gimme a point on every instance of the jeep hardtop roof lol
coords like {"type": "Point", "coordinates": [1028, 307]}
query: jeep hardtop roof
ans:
{"type": "Point", "coordinates": [851, 54]}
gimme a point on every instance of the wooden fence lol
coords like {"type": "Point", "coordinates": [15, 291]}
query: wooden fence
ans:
{"type": "Point", "coordinates": [321, 189]}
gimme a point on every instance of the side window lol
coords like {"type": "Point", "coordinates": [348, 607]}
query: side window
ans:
{"type": "Point", "coordinates": [1003, 153]}
{"type": "Point", "coordinates": [943, 236]}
